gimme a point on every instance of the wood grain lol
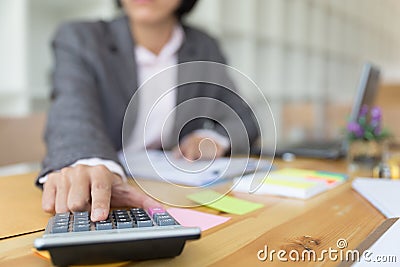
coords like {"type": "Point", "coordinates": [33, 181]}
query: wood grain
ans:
{"type": "Point", "coordinates": [283, 223]}
{"type": "Point", "coordinates": [20, 208]}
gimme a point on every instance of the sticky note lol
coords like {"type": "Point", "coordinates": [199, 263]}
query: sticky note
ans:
{"type": "Point", "coordinates": [44, 254]}
{"type": "Point", "coordinates": [301, 174]}
{"type": "Point", "coordinates": [292, 183]}
{"type": "Point", "coordinates": [193, 218]}
{"type": "Point", "coordinates": [227, 204]}
{"type": "Point", "coordinates": [312, 174]}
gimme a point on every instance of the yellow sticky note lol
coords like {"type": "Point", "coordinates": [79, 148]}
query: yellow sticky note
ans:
{"type": "Point", "coordinates": [292, 183]}
{"type": "Point", "coordinates": [46, 255]}
{"type": "Point", "coordinates": [223, 203]}
{"type": "Point", "coordinates": [43, 253]}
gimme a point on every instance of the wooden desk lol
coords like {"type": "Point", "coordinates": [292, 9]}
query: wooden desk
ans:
{"type": "Point", "coordinates": [281, 224]}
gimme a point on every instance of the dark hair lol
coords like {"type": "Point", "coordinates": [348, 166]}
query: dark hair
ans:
{"type": "Point", "coordinates": [184, 8]}
{"type": "Point", "coordinates": [118, 3]}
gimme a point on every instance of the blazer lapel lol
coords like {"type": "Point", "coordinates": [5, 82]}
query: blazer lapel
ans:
{"type": "Point", "coordinates": [124, 63]}
{"type": "Point", "coordinates": [123, 48]}
{"type": "Point", "coordinates": [187, 53]}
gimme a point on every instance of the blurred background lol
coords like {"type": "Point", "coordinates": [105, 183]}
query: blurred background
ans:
{"type": "Point", "coordinates": [305, 55]}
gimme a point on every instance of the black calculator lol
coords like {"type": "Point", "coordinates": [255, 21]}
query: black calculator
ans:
{"type": "Point", "coordinates": [127, 234]}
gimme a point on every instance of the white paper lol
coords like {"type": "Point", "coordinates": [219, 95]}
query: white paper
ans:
{"type": "Point", "coordinates": [385, 251]}
{"type": "Point", "coordinates": [163, 166]}
{"type": "Point", "coordinates": [383, 194]}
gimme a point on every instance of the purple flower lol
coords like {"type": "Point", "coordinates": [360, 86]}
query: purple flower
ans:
{"type": "Point", "coordinates": [363, 111]}
{"type": "Point", "coordinates": [376, 114]}
{"type": "Point", "coordinates": [356, 129]}
{"type": "Point", "coordinates": [368, 126]}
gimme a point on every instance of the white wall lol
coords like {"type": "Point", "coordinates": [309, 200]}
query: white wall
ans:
{"type": "Point", "coordinates": [13, 70]}
{"type": "Point", "coordinates": [27, 26]}
{"type": "Point", "coordinates": [296, 50]}
{"type": "Point", "coordinates": [307, 51]}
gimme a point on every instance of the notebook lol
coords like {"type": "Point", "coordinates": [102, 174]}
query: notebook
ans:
{"type": "Point", "coordinates": [383, 194]}
{"type": "Point", "coordinates": [292, 182]}
{"type": "Point", "coordinates": [164, 167]}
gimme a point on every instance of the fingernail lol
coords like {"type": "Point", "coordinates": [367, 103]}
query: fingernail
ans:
{"type": "Point", "coordinates": [98, 214]}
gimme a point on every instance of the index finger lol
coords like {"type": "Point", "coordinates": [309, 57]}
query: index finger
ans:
{"type": "Point", "coordinates": [101, 184]}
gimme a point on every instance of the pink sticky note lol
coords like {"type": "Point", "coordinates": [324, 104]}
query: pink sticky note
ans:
{"type": "Point", "coordinates": [190, 218]}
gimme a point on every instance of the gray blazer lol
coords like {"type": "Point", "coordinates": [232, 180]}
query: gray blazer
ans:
{"type": "Point", "coordinates": [94, 79]}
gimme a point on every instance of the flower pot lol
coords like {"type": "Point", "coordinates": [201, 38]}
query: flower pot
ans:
{"type": "Point", "coordinates": [364, 155]}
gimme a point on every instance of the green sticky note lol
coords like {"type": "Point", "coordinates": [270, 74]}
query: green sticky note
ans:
{"type": "Point", "coordinates": [226, 204]}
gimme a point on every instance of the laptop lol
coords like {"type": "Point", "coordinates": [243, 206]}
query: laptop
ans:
{"type": "Point", "coordinates": [335, 149]}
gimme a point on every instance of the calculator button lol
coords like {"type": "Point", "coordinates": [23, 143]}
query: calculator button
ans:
{"type": "Point", "coordinates": [104, 226]}
{"type": "Point", "coordinates": [59, 229]}
{"type": "Point", "coordinates": [126, 217]}
{"type": "Point", "coordinates": [165, 222]}
{"type": "Point", "coordinates": [141, 216]}
{"type": "Point", "coordinates": [162, 216]}
{"type": "Point", "coordinates": [81, 227]}
{"type": "Point", "coordinates": [137, 210]}
{"type": "Point", "coordinates": [153, 211]}
{"type": "Point", "coordinates": [62, 215]}
{"type": "Point", "coordinates": [120, 220]}
{"type": "Point", "coordinates": [81, 218]}
{"type": "Point", "coordinates": [123, 225]}
{"type": "Point", "coordinates": [81, 223]}
{"type": "Point", "coordinates": [143, 219]}
{"type": "Point", "coordinates": [81, 214]}
{"type": "Point", "coordinates": [61, 220]}
{"type": "Point", "coordinates": [144, 223]}
{"type": "Point", "coordinates": [57, 224]}
{"type": "Point", "coordinates": [120, 213]}
{"type": "Point", "coordinates": [105, 221]}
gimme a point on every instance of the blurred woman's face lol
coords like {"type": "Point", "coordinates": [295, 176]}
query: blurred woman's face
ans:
{"type": "Point", "coordinates": [150, 11]}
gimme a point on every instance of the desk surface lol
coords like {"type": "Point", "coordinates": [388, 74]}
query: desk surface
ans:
{"type": "Point", "coordinates": [282, 224]}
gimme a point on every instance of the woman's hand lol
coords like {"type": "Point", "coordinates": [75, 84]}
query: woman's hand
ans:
{"type": "Point", "coordinates": [194, 147]}
{"type": "Point", "coordinates": [93, 188]}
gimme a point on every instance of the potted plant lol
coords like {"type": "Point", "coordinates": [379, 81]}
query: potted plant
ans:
{"type": "Point", "coordinates": [366, 138]}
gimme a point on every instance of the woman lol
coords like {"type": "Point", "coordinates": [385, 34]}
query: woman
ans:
{"type": "Point", "coordinates": [98, 67]}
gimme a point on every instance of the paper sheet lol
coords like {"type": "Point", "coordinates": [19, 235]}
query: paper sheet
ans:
{"type": "Point", "coordinates": [227, 204]}
{"type": "Point", "coordinates": [383, 194]}
{"type": "Point", "coordinates": [164, 167]}
{"type": "Point", "coordinates": [192, 218]}
{"type": "Point", "coordinates": [385, 251]}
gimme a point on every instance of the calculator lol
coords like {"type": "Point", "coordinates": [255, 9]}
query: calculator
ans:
{"type": "Point", "coordinates": [127, 234]}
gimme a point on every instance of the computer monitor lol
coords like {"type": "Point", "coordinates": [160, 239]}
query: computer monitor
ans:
{"type": "Point", "coordinates": [365, 95]}
{"type": "Point", "coordinates": [367, 89]}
